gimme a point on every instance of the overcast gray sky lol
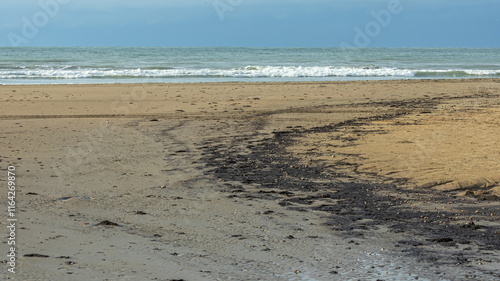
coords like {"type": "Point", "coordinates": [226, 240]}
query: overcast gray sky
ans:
{"type": "Point", "coordinates": [253, 23]}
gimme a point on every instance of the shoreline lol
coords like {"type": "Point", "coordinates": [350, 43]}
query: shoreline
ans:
{"type": "Point", "coordinates": [264, 82]}
{"type": "Point", "coordinates": [237, 181]}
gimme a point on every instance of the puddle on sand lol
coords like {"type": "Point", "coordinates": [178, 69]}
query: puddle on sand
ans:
{"type": "Point", "coordinates": [376, 266]}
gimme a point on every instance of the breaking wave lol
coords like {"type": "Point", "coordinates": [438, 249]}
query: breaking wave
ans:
{"type": "Point", "coordinates": [75, 72]}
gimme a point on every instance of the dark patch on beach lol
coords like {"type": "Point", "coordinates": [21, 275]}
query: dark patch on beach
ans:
{"type": "Point", "coordinates": [266, 171]}
{"type": "Point", "coordinates": [442, 240]}
{"type": "Point", "coordinates": [36, 256]}
{"type": "Point", "coordinates": [108, 223]}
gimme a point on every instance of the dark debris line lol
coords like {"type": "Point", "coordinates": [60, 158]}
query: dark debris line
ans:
{"type": "Point", "coordinates": [355, 208]}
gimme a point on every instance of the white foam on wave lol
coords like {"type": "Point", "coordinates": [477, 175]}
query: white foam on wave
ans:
{"type": "Point", "coordinates": [482, 72]}
{"type": "Point", "coordinates": [316, 71]}
{"type": "Point", "coordinates": [72, 72]}
{"type": "Point", "coordinates": [246, 72]}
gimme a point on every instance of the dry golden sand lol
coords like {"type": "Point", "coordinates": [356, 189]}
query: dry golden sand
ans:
{"type": "Point", "coordinates": [135, 155]}
{"type": "Point", "coordinates": [453, 148]}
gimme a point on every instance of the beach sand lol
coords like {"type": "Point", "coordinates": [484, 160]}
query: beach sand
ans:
{"type": "Point", "coordinates": [389, 180]}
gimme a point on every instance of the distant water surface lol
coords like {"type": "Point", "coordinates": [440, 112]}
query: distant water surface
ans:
{"type": "Point", "coordinates": [78, 65]}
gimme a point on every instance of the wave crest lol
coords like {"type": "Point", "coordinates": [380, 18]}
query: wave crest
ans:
{"type": "Point", "coordinates": [72, 72]}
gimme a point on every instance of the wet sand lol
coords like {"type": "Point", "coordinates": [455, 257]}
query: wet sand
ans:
{"type": "Point", "coordinates": [389, 180]}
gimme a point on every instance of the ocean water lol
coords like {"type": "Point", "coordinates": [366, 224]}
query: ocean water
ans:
{"type": "Point", "coordinates": [77, 65]}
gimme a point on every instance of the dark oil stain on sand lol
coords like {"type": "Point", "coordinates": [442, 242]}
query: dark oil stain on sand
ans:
{"type": "Point", "coordinates": [356, 208]}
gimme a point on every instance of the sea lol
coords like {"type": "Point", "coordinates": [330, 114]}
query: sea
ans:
{"type": "Point", "coordinates": [95, 65]}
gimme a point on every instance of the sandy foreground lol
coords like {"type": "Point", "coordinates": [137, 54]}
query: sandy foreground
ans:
{"type": "Point", "coordinates": [385, 180]}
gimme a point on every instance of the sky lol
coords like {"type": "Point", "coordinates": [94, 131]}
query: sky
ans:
{"type": "Point", "coordinates": [251, 23]}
